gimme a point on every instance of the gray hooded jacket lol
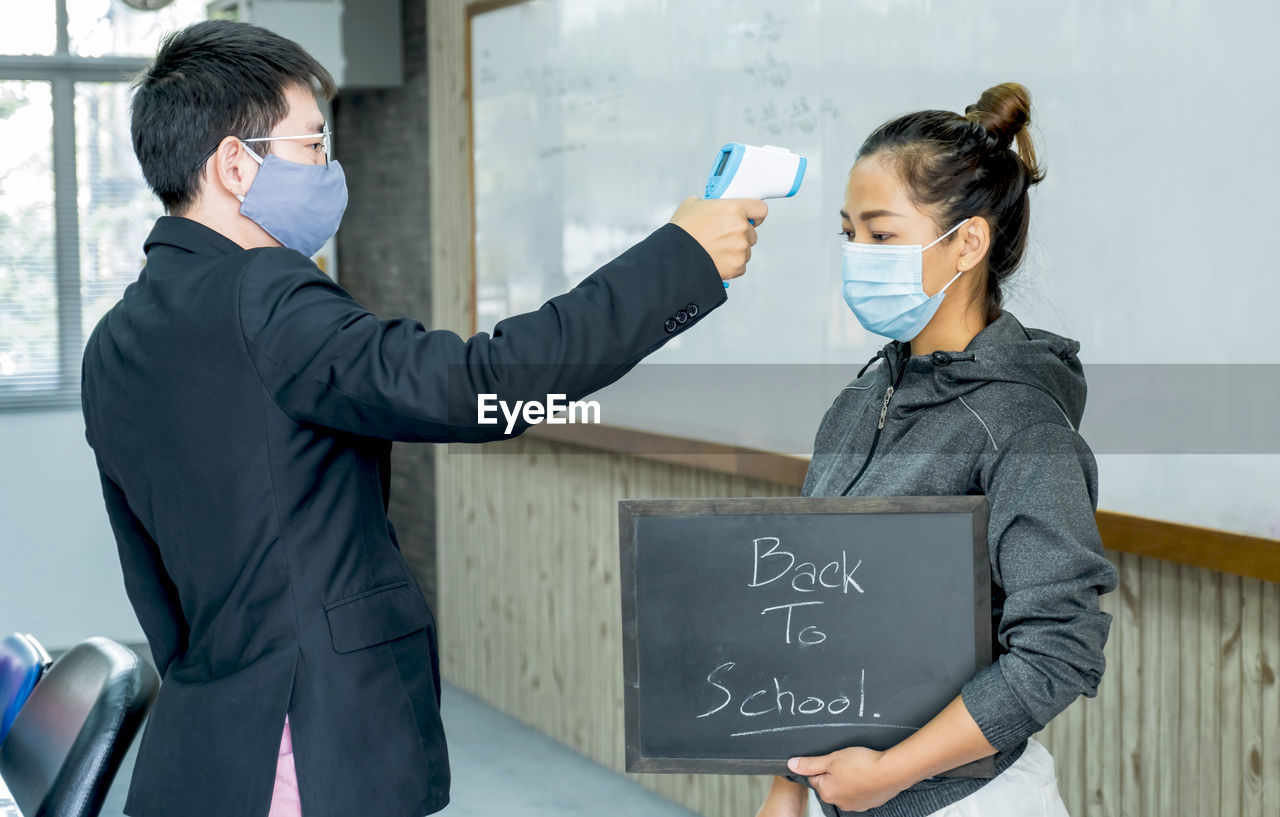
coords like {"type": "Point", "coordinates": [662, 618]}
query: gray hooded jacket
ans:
{"type": "Point", "coordinates": [999, 419]}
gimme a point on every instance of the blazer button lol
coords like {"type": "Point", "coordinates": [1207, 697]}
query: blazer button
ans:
{"type": "Point", "coordinates": [670, 325]}
{"type": "Point", "coordinates": [682, 317]}
{"type": "Point", "coordinates": [693, 310]}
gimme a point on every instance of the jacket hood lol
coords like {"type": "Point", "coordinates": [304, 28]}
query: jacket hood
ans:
{"type": "Point", "coordinates": [1004, 351]}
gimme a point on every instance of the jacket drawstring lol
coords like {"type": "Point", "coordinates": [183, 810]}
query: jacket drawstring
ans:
{"type": "Point", "coordinates": [861, 371]}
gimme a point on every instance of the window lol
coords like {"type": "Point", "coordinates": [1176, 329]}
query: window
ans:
{"type": "Point", "coordinates": [74, 209]}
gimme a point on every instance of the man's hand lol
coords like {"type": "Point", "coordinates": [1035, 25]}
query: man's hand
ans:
{"type": "Point", "coordinates": [785, 799]}
{"type": "Point", "coordinates": [723, 228]}
{"type": "Point", "coordinates": [850, 779]}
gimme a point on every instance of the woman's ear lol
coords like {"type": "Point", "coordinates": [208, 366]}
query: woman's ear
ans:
{"type": "Point", "coordinates": [233, 168]}
{"type": "Point", "coordinates": [975, 243]}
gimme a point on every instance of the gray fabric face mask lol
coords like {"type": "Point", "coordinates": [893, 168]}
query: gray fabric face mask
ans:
{"type": "Point", "coordinates": [299, 205]}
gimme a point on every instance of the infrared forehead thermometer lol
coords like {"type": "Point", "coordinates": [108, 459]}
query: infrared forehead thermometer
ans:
{"type": "Point", "coordinates": [748, 172]}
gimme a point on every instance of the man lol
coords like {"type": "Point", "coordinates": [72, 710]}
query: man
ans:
{"type": "Point", "coordinates": [241, 407]}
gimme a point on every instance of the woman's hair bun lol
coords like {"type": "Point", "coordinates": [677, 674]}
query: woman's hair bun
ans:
{"type": "Point", "coordinates": [1004, 110]}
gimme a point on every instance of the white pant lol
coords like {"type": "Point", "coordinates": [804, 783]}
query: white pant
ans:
{"type": "Point", "coordinates": [1028, 788]}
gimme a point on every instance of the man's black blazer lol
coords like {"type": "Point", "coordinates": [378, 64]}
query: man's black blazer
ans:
{"type": "Point", "coordinates": [241, 407]}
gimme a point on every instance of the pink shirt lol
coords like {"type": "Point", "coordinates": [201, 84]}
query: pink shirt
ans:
{"type": "Point", "coordinates": [284, 800]}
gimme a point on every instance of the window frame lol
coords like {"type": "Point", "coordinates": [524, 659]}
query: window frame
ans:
{"type": "Point", "coordinates": [62, 70]}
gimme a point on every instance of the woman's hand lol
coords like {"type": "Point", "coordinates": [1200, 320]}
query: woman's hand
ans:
{"type": "Point", "coordinates": [854, 779]}
{"type": "Point", "coordinates": [857, 779]}
{"type": "Point", "coordinates": [785, 799]}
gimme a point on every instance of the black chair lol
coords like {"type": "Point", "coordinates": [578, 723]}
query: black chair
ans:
{"type": "Point", "coordinates": [66, 744]}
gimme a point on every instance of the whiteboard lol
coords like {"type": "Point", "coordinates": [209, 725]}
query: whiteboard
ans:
{"type": "Point", "coordinates": [1149, 237]}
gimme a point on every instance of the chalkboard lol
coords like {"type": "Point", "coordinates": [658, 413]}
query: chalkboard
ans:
{"type": "Point", "coordinates": [592, 120]}
{"type": "Point", "coordinates": [756, 630]}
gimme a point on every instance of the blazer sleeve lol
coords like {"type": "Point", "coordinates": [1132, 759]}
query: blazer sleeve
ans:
{"type": "Point", "coordinates": [1046, 555]}
{"type": "Point", "coordinates": [151, 592]}
{"type": "Point", "coordinates": [328, 361]}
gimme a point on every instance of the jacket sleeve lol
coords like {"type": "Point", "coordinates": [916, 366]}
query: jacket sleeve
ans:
{"type": "Point", "coordinates": [151, 592]}
{"type": "Point", "coordinates": [1046, 555]}
{"type": "Point", "coordinates": [328, 361]}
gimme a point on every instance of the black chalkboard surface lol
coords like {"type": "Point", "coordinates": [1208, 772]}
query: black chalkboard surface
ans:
{"type": "Point", "coordinates": [756, 630]}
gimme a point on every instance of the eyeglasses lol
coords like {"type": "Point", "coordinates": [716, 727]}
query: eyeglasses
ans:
{"type": "Point", "coordinates": [324, 136]}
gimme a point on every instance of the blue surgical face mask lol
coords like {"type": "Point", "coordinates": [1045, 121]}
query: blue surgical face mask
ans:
{"type": "Point", "coordinates": [883, 286]}
{"type": "Point", "coordinates": [299, 205]}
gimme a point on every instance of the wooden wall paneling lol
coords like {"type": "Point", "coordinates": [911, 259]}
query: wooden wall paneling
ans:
{"type": "Point", "coordinates": [1086, 762]}
{"type": "Point", "coordinates": [1164, 730]}
{"type": "Point", "coordinates": [1148, 695]}
{"type": "Point", "coordinates": [1101, 778]}
{"type": "Point", "coordinates": [1210, 695]}
{"type": "Point", "coordinates": [1253, 733]}
{"type": "Point", "coordinates": [1129, 621]}
{"type": "Point", "coordinates": [1188, 711]}
{"type": "Point", "coordinates": [1068, 758]}
{"type": "Point", "coordinates": [1230, 771]}
{"type": "Point", "coordinates": [1073, 750]}
{"type": "Point", "coordinates": [1270, 691]}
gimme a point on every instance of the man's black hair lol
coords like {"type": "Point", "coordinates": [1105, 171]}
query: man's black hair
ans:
{"type": "Point", "coordinates": [208, 81]}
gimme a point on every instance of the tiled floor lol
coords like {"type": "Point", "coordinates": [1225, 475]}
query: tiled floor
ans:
{"type": "Point", "coordinates": [501, 767]}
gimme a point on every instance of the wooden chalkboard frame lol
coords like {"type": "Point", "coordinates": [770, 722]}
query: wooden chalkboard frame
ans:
{"type": "Point", "coordinates": [628, 510]}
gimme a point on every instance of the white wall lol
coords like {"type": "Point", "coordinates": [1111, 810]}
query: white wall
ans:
{"type": "Point", "coordinates": [59, 575]}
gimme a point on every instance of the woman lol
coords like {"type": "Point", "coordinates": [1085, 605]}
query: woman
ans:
{"type": "Point", "coordinates": [965, 400]}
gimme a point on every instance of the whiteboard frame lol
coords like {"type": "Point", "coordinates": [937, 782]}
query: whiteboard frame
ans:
{"type": "Point", "coordinates": [474, 9]}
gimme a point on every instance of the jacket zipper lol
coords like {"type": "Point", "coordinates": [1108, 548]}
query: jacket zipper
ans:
{"type": "Point", "coordinates": [884, 408]}
{"type": "Point", "coordinates": [875, 440]}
